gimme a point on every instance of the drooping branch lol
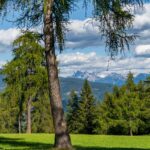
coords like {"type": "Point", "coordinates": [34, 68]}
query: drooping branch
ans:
{"type": "Point", "coordinates": [115, 18]}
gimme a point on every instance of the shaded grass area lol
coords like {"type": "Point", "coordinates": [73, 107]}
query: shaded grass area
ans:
{"type": "Point", "coordinates": [80, 142]}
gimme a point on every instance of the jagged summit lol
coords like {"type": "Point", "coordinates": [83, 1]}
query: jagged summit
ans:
{"type": "Point", "coordinates": [112, 78]}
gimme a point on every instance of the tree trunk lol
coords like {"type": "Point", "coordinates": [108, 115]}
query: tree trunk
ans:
{"type": "Point", "coordinates": [131, 133]}
{"type": "Point", "coordinates": [130, 127]}
{"type": "Point", "coordinates": [29, 115]}
{"type": "Point", "coordinates": [19, 123]}
{"type": "Point", "coordinates": [62, 138]}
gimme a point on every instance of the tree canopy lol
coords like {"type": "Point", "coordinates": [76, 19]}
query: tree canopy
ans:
{"type": "Point", "coordinates": [25, 79]}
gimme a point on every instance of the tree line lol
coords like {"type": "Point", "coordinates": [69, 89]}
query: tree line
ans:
{"type": "Point", "coordinates": [125, 111]}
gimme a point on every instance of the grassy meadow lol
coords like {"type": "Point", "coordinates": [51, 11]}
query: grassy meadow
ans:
{"type": "Point", "coordinates": [80, 142]}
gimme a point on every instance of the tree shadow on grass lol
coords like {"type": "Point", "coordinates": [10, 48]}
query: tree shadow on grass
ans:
{"type": "Point", "coordinates": [20, 144]}
{"type": "Point", "coordinates": [104, 148]}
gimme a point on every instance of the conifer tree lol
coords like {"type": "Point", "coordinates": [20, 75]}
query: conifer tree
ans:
{"type": "Point", "coordinates": [72, 112]}
{"type": "Point", "coordinates": [121, 110]}
{"type": "Point", "coordinates": [42, 121]}
{"type": "Point", "coordinates": [131, 105]}
{"type": "Point", "coordinates": [87, 112]}
{"type": "Point", "coordinates": [103, 113]}
{"type": "Point", "coordinates": [25, 75]}
{"type": "Point", "coordinates": [8, 114]}
{"type": "Point", "coordinates": [145, 111]}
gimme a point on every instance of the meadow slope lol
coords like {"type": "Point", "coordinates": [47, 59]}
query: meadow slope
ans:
{"type": "Point", "coordinates": [80, 142]}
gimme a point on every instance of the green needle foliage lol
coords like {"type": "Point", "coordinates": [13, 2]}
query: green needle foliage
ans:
{"type": "Point", "coordinates": [82, 113]}
{"type": "Point", "coordinates": [87, 110]}
{"type": "Point", "coordinates": [72, 112]}
{"type": "Point", "coordinates": [125, 111]}
{"type": "Point", "coordinates": [145, 111]}
{"type": "Point", "coordinates": [25, 79]}
{"type": "Point", "coordinates": [115, 18]}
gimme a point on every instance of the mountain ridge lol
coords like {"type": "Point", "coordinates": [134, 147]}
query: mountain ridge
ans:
{"type": "Point", "coordinates": [112, 78]}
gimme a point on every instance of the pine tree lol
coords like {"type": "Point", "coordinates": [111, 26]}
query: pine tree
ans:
{"type": "Point", "coordinates": [121, 110]}
{"type": "Point", "coordinates": [145, 110]}
{"type": "Point", "coordinates": [87, 110]}
{"type": "Point", "coordinates": [72, 112]}
{"type": "Point", "coordinates": [103, 110]}
{"type": "Point", "coordinates": [131, 105]}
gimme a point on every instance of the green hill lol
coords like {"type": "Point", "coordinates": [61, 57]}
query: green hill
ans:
{"type": "Point", "coordinates": [67, 84]}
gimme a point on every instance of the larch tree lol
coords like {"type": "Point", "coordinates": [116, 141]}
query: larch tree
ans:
{"type": "Point", "coordinates": [24, 74]}
{"type": "Point", "coordinates": [114, 20]}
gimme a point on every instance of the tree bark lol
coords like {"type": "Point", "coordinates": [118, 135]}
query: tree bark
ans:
{"type": "Point", "coordinates": [131, 133]}
{"type": "Point", "coordinates": [19, 123]}
{"type": "Point", "coordinates": [29, 116]}
{"type": "Point", "coordinates": [62, 138]}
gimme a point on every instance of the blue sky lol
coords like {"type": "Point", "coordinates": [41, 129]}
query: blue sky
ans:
{"type": "Point", "coordinates": [85, 50]}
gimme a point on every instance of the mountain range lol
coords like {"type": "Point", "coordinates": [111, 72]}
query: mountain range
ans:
{"type": "Point", "coordinates": [68, 84]}
{"type": "Point", "coordinates": [112, 78]}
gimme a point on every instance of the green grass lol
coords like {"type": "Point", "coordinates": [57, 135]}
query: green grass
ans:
{"type": "Point", "coordinates": [80, 142]}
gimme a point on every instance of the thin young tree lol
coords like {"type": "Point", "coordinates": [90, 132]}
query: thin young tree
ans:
{"type": "Point", "coordinates": [53, 14]}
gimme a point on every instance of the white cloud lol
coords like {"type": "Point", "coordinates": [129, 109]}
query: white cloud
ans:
{"type": "Point", "coordinates": [70, 63]}
{"type": "Point", "coordinates": [142, 51]}
{"type": "Point", "coordinates": [8, 36]}
{"type": "Point", "coordinates": [83, 33]}
{"type": "Point", "coordinates": [2, 63]}
{"type": "Point", "coordinates": [142, 17]}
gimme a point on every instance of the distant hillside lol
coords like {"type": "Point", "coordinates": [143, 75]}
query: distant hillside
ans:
{"type": "Point", "coordinates": [99, 85]}
{"type": "Point", "coordinates": [67, 84]}
{"type": "Point", "coordinates": [2, 85]}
